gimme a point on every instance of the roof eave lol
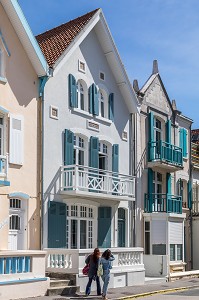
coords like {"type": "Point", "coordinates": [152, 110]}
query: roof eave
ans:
{"type": "Point", "coordinates": [26, 36]}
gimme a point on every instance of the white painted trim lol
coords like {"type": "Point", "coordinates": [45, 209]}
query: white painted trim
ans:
{"type": "Point", "coordinates": [50, 112]}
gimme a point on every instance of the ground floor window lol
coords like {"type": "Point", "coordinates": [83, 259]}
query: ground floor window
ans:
{"type": "Point", "coordinates": [79, 227]}
{"type": "Point", "coordinates": [175, 252]}
{"type": "Point", "coordinates": [147, 238]}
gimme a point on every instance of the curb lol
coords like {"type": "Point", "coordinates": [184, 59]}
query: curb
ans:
{"type": "Point", "coordinates": [156, 292]}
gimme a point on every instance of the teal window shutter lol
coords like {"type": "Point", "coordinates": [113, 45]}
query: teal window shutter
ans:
{"type": "Point", "coordinates": [104, 227]}
{"type": "Point", "coordinates": [115, 158]}
{"type": "Point", "coordinates": [168, 183]}
{"type": "Point", "coordinates": [111, 107]}
{"type": "Point", "coordinates": [72, 85]}
{"type": "Point", "coordinates": [184, 142]}
{"type": "Point", "coordinates": [168, 131]}
{"type": "Point", "coordinates": [150, 181]}
{"type": "Point", "coordinates": [68, 147]}
{"type": "Point", "coordinates": [95, 100]}
{"type": "Point", "coordinates": [56, 224]}
{"type": "Point", "coordinates": [189, 196]}
{"type": "Point", "coordinates": [150, 189]}
{"type": "Point", "coordinates": [94, 152]}
{"type": "Point", "coordinates": [90, 99]}
{"type": "Point", "coordinates": [151, 127]}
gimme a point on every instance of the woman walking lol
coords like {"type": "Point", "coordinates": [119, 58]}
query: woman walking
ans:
{"type": "Point", "coordinates": [93, 261]}
{"type": "Point", "coordinates": [105, 260]}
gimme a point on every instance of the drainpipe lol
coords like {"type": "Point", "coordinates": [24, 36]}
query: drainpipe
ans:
{"type": "Point", "coordinates": [42, 83]}
{"type": "Point", "coordinates": [133, 168]}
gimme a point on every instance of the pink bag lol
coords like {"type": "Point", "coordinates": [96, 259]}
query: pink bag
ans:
{"type": "Point", "coordinates": [85, 269]}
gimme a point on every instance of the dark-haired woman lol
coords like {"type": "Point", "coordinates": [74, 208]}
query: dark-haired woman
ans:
{"type": "Point", "coordinates": [105, 260]}
{"type": "Point", "coordinates": [93, 261]}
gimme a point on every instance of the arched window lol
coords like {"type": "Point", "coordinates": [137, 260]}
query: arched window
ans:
{"type": "Point", "coordinates": [80, 95]}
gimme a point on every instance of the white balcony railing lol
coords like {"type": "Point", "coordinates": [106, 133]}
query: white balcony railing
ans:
{"type": "Point", "coordinates": [73, 260]}
{"type": "Point", "coordinates": [4, 166]}
{"type": "Point", "coordinates": [82, 178]}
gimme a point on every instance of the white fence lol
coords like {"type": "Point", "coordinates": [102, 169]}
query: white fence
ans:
{"type": "Point", "coordinates": [73, 261]}
{"type": "Point", "coordinates": [82, 178]}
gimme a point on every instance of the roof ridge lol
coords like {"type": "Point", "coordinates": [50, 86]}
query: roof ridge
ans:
{"type": "Point", "coordinates": [72, 20]}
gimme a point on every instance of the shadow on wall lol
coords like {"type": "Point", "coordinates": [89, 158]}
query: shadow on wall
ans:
{"type": "Point", "coordinates": [21, 78]}
{"type": "Point", "coordinates": [54, 187]}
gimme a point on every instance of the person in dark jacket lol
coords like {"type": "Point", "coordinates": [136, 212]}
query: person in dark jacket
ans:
{"type": "Point", "coordinates": [93, 261]}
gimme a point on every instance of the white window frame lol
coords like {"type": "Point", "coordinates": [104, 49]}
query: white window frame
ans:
{"type": "Point", "coordinates": [52, 107]}
{"type": "Point", "coordinates": [80, 94]}
{"type": "Point", "coordinates": [79, 145]}
{"type": "Point", "coordinates": [83, 212]}
{"type": "Point", "coordinates": [176, 252]}
{"type": "Point", "coordinates": [80, 62]}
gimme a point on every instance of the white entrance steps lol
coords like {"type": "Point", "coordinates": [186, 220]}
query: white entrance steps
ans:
{"type": "Point", "coordinates": [155, 280]}
{"type": "Point", "coordinates": [180, 275]}
{"type": "Point", "coordinates": [62, 284]}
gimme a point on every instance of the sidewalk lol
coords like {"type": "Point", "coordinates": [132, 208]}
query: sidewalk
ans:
{"type": "Point", "coordinates": [134, 291]}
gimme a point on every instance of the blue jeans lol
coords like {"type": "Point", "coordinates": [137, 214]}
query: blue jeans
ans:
{"type": "Point", "coordinates": [106, 279]}
{"type": "Point", "coordinates": [88, 287]}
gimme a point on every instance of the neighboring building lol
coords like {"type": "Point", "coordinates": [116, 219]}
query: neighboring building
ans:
{"type": "Point", "coordinates": [195, 197]}
{"type": "Point", "coordinates": [21, 62]}
{"type": "Point", "coordinates": [88, 185]}
{"type": "Point", "coordinates": [164, 186]}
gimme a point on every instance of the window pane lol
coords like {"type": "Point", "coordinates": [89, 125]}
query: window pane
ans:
{"type": "Point", "coordinates": [81, 157]}
{"type": "Point", "coordinates": [102, 109]}
{"type": "Point", "coordinates": [82, 234]}
{"type": "Point", "coordinates": [82, 101]}
{"type": "Point", "coordinates": [73, 234]}
{"type": "Point", "coordinates": [172, 252]}
{"type": "Point", "coordinates": [179, 252]}
{"type": "Point", "coordinates": [147, 226]}
{"type": "Point", "coordinates": [147, 242]}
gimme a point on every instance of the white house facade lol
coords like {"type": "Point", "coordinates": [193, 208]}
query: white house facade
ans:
{"type": "Point", "coordinates": [88, 185]}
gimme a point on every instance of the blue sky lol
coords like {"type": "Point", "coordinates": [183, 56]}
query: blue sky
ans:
{"type": "Point", "coordinates": [143, 30]}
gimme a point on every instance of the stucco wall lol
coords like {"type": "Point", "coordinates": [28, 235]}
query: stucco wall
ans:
{"type": "Point", "coordinates": [18, 96]}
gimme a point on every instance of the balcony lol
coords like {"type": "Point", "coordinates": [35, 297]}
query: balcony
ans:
{"type": "Point", "coordinates": [4, 170]}
{"type": "Point", "coordinates": [165, 155]}
{"type": "Point", "coordinates": [92, 182]}
{"type": "Point", "coordinates": [162, 203]}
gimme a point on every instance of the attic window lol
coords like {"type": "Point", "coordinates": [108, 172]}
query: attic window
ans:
{"type": "Point", "coordinates": [124, 136]}
{"type": "Point", "coordinates": [102, 76]}
{"type": "Point", "coordinates": [53, 112]}
{"type": "Point", "coordinates": [82, 66]}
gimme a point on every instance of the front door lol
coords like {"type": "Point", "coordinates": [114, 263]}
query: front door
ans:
{"type": "Point", "coordinates": [17, 232]}
{"type": "Point", "coordinates": [121, 227]}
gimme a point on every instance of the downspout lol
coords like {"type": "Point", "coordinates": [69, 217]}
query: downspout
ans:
{"type": "Point", "coordinates": [133, 168]}
{"type": "Point", "coordinates": [42, 83]}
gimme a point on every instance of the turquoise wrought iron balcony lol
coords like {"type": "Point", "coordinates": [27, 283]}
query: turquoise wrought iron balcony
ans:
{"type": "Point", "coordinates": [163, 203]}
{"type": "Point", "coordinates": [165, 154]}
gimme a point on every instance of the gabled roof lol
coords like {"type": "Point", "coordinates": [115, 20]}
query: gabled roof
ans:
{"type": "Point", "coordinates": [56, 44]}
{"type": "Point", "coordinates": [55, 41]}
{"type": "Point", "coordinates": [148, 83]}
{"type": "Point", "coordinates": [25, 36]}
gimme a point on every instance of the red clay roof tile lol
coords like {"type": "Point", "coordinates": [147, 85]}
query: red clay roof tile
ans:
{"type": "Point", "coordinates": [55, 41]}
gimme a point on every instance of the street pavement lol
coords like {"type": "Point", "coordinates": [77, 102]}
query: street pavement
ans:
{"type": "Point", "coordinates": [191, 294]}
{"type": "Point", "coordinates": [173, 289]}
